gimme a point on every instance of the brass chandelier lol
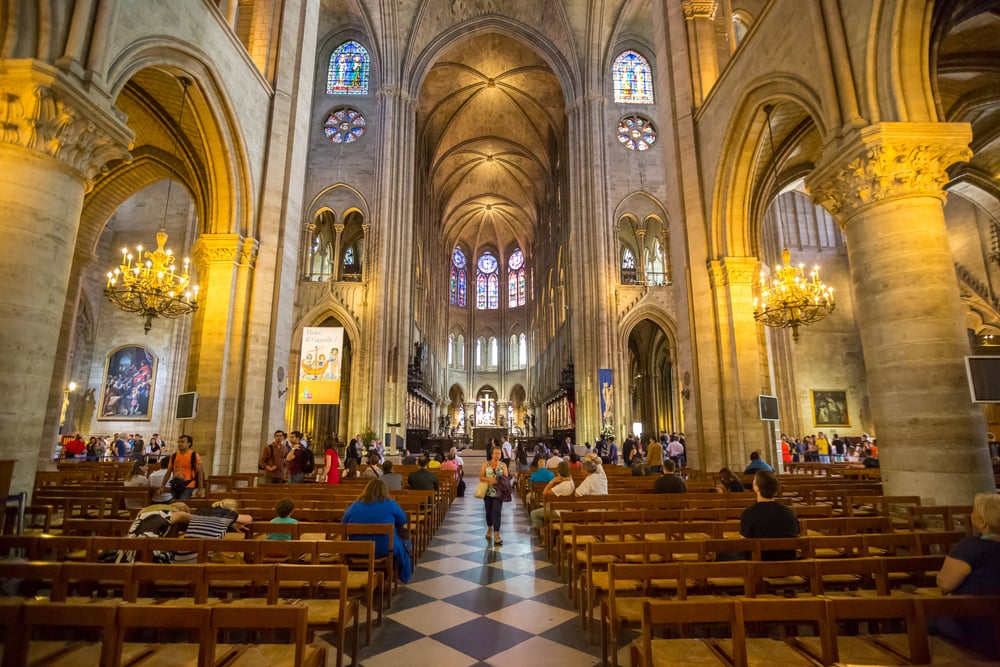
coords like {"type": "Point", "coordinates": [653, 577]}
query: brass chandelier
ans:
{"type": "Point", "coordinates": [148, 282]}
{"type": "Point", "coordinates": [793, 299]}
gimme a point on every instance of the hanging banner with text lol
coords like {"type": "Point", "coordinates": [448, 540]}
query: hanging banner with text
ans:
{"type": "Point", "coordinates": [607, 394]}
{"type": "Point", "coordinates": [319, 366]}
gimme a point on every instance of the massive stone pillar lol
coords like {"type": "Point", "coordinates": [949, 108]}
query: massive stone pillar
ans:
{"type": "Point", "coordinates": [740, 348]}
{"type": "Point", "coordinates": [53, 140]}
{"type": "Point", "coordinates": [217, 356]}
{"type": "Point", "coordinates": [884, 186]}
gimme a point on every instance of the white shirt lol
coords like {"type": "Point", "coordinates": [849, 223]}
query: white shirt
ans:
{"type": "Point", "coordinates": [595, 484]}
{"type": "Point", "coordinates": [675, 448]}
{"type": "Point", "coordinates": [564, 488]}
{"type": "Point", "coordinates": [506, 450]}
{"type": "Point", "coordinates": [553, 462]}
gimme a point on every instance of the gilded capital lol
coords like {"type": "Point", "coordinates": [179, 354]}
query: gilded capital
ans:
{"type": "Point", "coordinates": [741, 270]}
{"type": "Point", "coordinates": [716, 275]}
{"type": "Point", "coordinates": [889, 161]}
{"type": "Point", "coordinates": [700, 9]}
{"type": "Point", "coordinates": [39, 113]}
{"type": "Point", "coordinates": [218, 249]}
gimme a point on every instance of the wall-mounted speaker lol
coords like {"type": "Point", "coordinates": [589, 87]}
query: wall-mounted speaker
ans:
{"type": "Point", "coordinates": [187, 405]}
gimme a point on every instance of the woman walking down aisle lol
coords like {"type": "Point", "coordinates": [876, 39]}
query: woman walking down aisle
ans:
{"type": "Point", "coordinates": [490, 473]}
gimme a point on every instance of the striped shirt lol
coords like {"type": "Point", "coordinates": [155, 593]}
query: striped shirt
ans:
{"type": "Point", "coordinates": [207, 522]}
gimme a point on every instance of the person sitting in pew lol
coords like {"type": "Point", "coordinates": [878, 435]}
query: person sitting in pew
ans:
{"type": "Point", "coordinates": [669, 481]}
{"type": "Point", "coordinates": [973, 568]}
{"type": "Point", "coordinates": [767, 517]}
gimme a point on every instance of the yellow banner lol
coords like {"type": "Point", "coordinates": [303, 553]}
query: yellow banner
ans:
{"type": "Point", "coordinates": [319, 365]}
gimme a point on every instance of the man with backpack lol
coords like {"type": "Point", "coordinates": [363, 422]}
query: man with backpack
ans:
{"type": "Point", "coordinates": [184, 471]}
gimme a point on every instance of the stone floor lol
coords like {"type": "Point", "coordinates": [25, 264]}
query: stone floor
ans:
{"type": "Point", "coordinates": [470, 603]}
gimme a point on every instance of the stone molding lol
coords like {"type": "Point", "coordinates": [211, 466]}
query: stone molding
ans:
{"type": "Point", "coordinates": [716, 275]}
{"type": "Point", "coordinates": [700, 9]}
{"type": "Point", "coordinates": [39, 113]}
{"type": "Point", "coordinates": [398, 93]}
{"type": "Point", "coordinates": [889, 161]}
{"type": "Point", "coordinates": [230, 249]}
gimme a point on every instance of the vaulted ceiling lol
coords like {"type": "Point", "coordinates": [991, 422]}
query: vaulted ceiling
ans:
{"type": "Point", "coordinates": [491, 126]}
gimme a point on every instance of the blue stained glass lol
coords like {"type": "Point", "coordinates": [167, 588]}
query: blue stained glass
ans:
{"type": "Point", "coordinates": [461, 288]}
{"type": "Point", "coordinates": [493, 293]}
{"type": "Point", "coordinates": [345, 125]}
{"type": "Point", "coordinates": [458, 257]}
{"type": "Point", "coordinates": [512, 290]}
{"type": "Point", "coordinates": [487, 263]}
{"type": "Point", "coordinates": [516, 260]}
{"type": "Point", "coordinates": [348, 71]}
{"type": "Point", "coordinates": [481, 292]}
{"type": "Point", "coordinates": [521, 291]}
{"type": "Point", "coordinates": [349, 256]}
{"type": "Point", "coordinates": [633, 79]}
{"type": "Point", "coordinates": [453, 288]}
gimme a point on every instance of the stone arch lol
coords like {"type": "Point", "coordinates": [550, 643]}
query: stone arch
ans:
{"type": "Point", "coordinates": [340, 197]}
{"type": "Point", "coordinates": [898, 84]}
{"type": "Point", "coordinates": [742, 183]}
{"type": "Point", "coordinates": [228, 203]}
{"type": "Point", "coordinates": [329, 42]}
{"type": "Point", "coordinates": [417, 68]}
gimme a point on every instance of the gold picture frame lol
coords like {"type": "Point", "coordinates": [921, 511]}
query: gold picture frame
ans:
{"type": "Point", "coordinates": [829, 407]}
{"type": "Point", "coordinates": [127, 389]}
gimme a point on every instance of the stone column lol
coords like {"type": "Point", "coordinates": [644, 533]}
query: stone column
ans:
{"type": "Point", "coordinates": [700, 16]}
{"type": "Point", "coordinates": [884, 186]}
{"type": "Point", "coordinates": [338, 264]}
{"type": "Point", "coordinates": [53, 140]}
{"type": "Point", "coordinates": [741, 379]}
{"type": "Point", "coordinates": [216, 361]}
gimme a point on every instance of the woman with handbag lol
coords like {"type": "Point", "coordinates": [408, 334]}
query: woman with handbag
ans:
{"type": "Point", "coordinates": [491, 472]}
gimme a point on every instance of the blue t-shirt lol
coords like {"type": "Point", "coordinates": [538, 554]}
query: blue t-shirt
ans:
{"type": "Point", "coordinates": [542, 475]}
{"type": "Point", "coordinates": [386, 511]}
{"type": "Point", "coordinates": [983, 556]}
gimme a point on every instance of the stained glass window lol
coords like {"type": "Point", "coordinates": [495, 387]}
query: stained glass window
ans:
{"type": "Point", "coordinates": [344, 125]}
{"type": "Point", "coordinates": [512, 289]}
{"type": "Point", "coordinates": [516, 259]}
{"type": "Point", "coordinates": [521, 291]}
{"type": "Point", "coordinates": [515, 279]}
{"type": "Point", "coordinates": [628, 273]}
{"type": "Point", "coordinates": [633, 79]}
{"type": "Point", "coordinates": [636, 132]}
{"type": "Point", "coordinates": [628, 259]}
{"type": "Point", "coordinates": [493, 292]}
{"type": "Point", "coordinates": [481, 292]}
{"type": "Point", "coordinates": [349, 256]}
{"type": "Point", "coordinates": [456, 286]}
{"type": "Point", "coordinates": [487, 283]}
{"type": "Point", "coordinates": [348, 71]}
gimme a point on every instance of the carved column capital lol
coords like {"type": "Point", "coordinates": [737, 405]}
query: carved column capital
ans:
{"type": "Point", "coordinates": [741, 270]}
{"type": "Point", "coordinates": [700, 9]}
{"type": "Point", "coordinates": [218, 249]}
{"type": "Point", "coordinates": [41, 113]}
{"type": "Point", "coordinates": [888, 161]}
{"type": "Point", "coordinates": [716, 275]}
{"type": "Point", "coordinates": [248, 252]}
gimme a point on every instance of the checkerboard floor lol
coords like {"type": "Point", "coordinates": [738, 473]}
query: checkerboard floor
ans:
{"type": "Point", "coordinates": [470, 603]}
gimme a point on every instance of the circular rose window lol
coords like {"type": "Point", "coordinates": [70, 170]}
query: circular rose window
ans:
{"type": "Point", "coordinates": [344, 125]}
{"type": "Point", "coordinates": [636, 133]}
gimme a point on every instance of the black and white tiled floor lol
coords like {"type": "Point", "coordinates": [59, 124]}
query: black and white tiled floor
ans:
{"type": "Point", "coordinates": [474, 604]}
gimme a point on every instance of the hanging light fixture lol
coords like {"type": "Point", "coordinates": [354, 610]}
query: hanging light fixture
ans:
{"type": "Point", "coordinates": [792, 299]}
{"type": "Point", "coordinates": [148, 283]}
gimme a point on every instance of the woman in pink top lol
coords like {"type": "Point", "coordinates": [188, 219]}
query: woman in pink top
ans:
{"type": "Point", "coordinates": [332, 465]}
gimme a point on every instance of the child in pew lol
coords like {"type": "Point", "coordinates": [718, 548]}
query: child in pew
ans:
{"type": "Point", "coordinates": [283, 509]}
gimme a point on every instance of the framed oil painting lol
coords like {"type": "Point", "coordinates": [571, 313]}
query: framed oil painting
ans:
{"type": "Point", "coordinates": [829, 408]}
{"type": "Point", "coordinates": [127, 389]}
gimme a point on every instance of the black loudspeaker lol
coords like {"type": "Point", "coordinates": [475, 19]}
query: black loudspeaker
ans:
{"type": "Point", "coordinates": [187, 405]}
{"type": "Point", "coordinates": [768, 407]}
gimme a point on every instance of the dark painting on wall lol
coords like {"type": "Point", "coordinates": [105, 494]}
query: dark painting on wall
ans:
{"type": "Point", "coordinates": [127, 389]}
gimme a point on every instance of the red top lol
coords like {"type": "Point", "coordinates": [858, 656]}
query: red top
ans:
{"type": "Point", "coordinates": [333, 473]}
